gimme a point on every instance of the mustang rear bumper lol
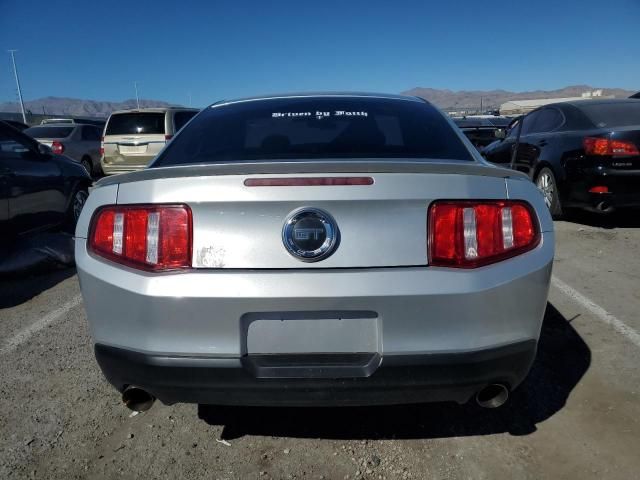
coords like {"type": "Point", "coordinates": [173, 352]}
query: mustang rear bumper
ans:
{"type": "Point", "coordinates": [297, 337]}
{"type": "Point", "coordinates": [275, 380]}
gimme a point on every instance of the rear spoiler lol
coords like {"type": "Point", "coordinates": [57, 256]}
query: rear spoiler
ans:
{"type": "Point", "coordinates": [283, 167]}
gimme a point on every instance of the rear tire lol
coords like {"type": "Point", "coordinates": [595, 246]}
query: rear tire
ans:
{"type": "Point", "coordinates": [546, 183]}
{"type": "Point", "coordinates": [78, 199]}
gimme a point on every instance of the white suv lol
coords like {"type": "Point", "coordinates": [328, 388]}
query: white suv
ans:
{"type": "Point", "coordinates": [132, 138]}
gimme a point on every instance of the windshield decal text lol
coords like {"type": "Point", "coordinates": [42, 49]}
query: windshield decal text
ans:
{"type": "Point", "coordinates": [319, 115]}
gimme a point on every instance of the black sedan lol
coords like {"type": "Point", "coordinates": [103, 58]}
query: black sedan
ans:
{"type": "Point", "coordinates": [38, 190]}
{"type": "Point", "coordinates": [582, 154]}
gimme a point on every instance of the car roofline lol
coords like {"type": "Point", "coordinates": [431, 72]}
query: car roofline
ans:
{"type": "Point", "coordinates": [386, 96]}
{"type": "Point", "coordinates": [154, 110]}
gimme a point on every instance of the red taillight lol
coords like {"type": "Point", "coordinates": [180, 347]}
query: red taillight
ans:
{"type": "Point", "coordinates": [168, 137]}
{"type": "Point", "coordinates": [102, 146]}
{"type": "Point", "coordinates": [606, 146]}
{"type": "Point", "coordinates": [619, 147]}
{"type": "Point", "coordinates": [57, 148]}
{"type": "Point", "coordinates": [150, 237]}
{"type": "Point", "coordinates": [469, 234]}
{"type": "Point", "coordinates": [599, 189]}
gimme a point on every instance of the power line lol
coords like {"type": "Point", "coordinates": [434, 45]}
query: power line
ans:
{"type": "Point", "coordinates": [15, 73]}
{"type": "Point", "coordinates": [135, 84]}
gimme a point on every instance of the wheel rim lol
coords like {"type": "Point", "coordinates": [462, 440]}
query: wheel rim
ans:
{"type": "Point", "coordinates": [87, 166]}
{"type": "Point", "coordinates": [546, 186]}
{"type": "Point", "coordinates": [79, 200]}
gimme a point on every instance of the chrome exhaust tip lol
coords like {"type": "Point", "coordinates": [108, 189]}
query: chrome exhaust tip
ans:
{"type": "Point", "coordinates": [492, 396]}
{"type": "Point", "coordinates": [604, 207]}
{"type": "Point", "coordinates": [137, 399]}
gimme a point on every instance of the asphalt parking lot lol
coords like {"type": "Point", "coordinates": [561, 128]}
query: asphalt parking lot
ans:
{"type": "Point", "coordinates": [576, 416]}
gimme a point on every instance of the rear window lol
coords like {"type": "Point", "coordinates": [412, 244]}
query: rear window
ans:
{"type": "Point", "coordinates": [316, 127]}
{"type": "Point", "coordinates": [613, 114]}
{"type": "Point", "coordinates": [49, 132]}
{"type": "Point", "coordinates": [136, 124]}
{"type": "Point", "coordinates": [53, 121]}
{"type": "Point", "coordinates": [181, 118]}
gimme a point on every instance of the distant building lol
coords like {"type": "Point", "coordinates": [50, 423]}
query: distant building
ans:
{"type": "Point", "coordinates": [520, 107]}
{"type": "Point", "coordinates": [593, 93]}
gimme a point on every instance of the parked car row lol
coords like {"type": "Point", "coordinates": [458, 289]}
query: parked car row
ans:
{"type": "Point", "coordinates": [126, 142]}
{"type": "Point", "coordinates": [268, 212]}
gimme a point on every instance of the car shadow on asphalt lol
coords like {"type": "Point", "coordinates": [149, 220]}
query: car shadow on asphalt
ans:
{"type": "Point", "coordinates": [18, 289]}
{"type": "Point", "coordinates": [562, 359]}
{"type": "Point", "coordinates": [618, 219]}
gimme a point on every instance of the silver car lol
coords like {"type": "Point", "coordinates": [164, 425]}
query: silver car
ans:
{"type": "Point", "coordinates": [326, 249]}
{"type": "Point", "coordinates": [79, 142]}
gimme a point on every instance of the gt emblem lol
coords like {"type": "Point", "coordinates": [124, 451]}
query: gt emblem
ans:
{"type": "Point", "coordinates": [310, 234]}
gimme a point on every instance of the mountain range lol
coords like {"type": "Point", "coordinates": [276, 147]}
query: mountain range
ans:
{"type": "Point", "coordinates": [443, 98]}
{"type": "Point", "coordinates": [77, 107]}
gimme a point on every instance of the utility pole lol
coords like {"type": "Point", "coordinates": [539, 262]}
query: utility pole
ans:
{"type": "Point", "coordinates": [481, 110]}
{"type": "Point", "coordinates": [15, 72]}
{"type": "Point", "coordinates": [135, 84]}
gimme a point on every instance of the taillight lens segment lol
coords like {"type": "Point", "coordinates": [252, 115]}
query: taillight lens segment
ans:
{"type": "Point", "coordinates": [468, 234]}
{"type": "Point", "coordinates": [57, 148]}
{"type": "Point", "coordinates": [607, 146]}
{"type": "Point", "coordinates": [150, 237]}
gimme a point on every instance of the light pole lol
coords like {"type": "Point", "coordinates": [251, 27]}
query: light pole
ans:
{"type": "Point", "coordinates": [15, 72]}
{"type": "Point", "coordinates": [135, 84]}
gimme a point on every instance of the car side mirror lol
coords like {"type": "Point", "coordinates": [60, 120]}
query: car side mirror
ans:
{"type": "Point", "coordinates": [44, 150]}
{"type": "Point", "coordinates": [500, 133]}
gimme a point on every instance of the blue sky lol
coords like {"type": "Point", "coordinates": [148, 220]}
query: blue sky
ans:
{"type": "Point", "coordinates": [219, 49]}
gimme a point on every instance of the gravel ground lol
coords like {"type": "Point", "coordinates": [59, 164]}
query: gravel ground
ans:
{"type": "Point", "coordinates": [576, 416]}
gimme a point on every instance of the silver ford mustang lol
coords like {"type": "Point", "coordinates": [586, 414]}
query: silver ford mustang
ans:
{"type": "Point", "coordinates": [321, 249]}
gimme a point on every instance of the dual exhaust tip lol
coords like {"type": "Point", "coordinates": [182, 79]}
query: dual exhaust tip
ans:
{"type": "Point", "coordinates": [139, 400]}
